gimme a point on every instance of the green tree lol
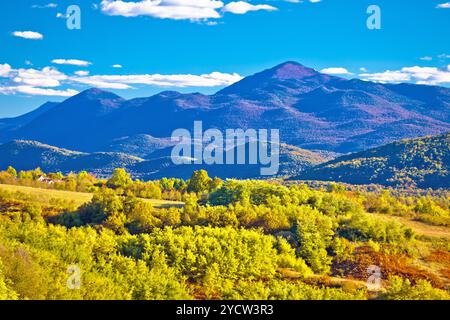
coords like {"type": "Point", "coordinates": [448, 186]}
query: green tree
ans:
{"type": "Point", "coordinates": [199, 182]}
{"type": "Point", "coordinates": [12, 172]}
{"type": "Point", "coordinates": [314, 232]}
{"type": "Point", "coordinates": [119, 179]}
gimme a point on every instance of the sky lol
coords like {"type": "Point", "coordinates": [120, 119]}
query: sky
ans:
{"type": "Point", "coordinates": [138, 48]}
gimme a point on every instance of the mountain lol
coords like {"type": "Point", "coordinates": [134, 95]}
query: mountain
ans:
{"type": "Point", "coordinates": [71, 123]}
{"type": "Point", "coordinates": [292, 161]}
{"type": "Point", "coordinates": [28, 155]}
{"type": "Point", "coordinates": [17, 122]}
{"type": "Point", "coordinates": [312, 110]}
{"type": "Point", "coordinates": [141, 145]}
{"type": "Point", "coordinates": [422, 162]}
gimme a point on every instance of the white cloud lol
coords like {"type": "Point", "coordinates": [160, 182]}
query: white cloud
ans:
{"type": "Point", "coordinates": [82, 73]}
{"type": "Point", "coordinates": [62, 15]}
{"type": "Point", "coordinates": [47, 77]}
{"type": "Point", "coordinates": [335, 71]}
{"type": "Point", "coordinates": [31, 35]}
{"type": "Point", "coordinates": [5, 69]}
{"type": "Point", "coordinates": [117, 66]}
{"type": "Point", "coordinates": [194, 10]}
{"type": "Point", "coordinates": [72, 62]}
{"type": "Point", "coordinates": [445, 5]}
{"type": "Point", "coordinates": [34, 91]}
{"type": "Point", "coordinates": [214, 79]}
{"type": "Point", "coordinates": [386, 76]}
{"type": "Point", "coordinates": [48, 5]}
{"type": "Point", "coordinates": [241, 7]}
{"type": "Point", "coordinates": [416, 74]}
{"type": "Point", "coordinates": [444, 56]}
{"type": "Point", "coordinates": [164, 9]}
{"type": "Point", "coordinates": [426, 58]}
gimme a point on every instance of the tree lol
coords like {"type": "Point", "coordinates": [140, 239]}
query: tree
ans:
{"type": "Point", "coordinates": [215, 184]}
{"type": "Point", "coordinates": [315, 232]}
{"type": "Point", "coordinates": [199, 182]}
{"type": "Point", "coordinates": [12, 172]}
{"type": "Point", "coordinates": [119, 179]}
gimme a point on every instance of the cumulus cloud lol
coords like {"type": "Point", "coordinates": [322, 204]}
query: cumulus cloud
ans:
{"type": "Point", "coordinates": [46, 77]}
{"type": "Point", "coordinates": [117, 66]}
{"type": "Point", "coordinates": [416, 74]}
{"type": "Point", "coordinates": [47, 80]}
{"type": "Point", "coordinates": [193, 10]}
{"type": "Point", "coordinates": [72, 62]}
{"type": "Point", "coordinates": [31, 35]}
{"type": "Point", "coordinates": [165, 9]}
{"type": "Point", "coordinates": [342, 71]}
{"type": "Point", "coordinates": [241, 7]}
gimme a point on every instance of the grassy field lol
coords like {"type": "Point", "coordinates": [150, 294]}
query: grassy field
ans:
{"type": "Point", "coordinates": [419, 227]}
{"type": "Point", "coordinates": [78, 198]}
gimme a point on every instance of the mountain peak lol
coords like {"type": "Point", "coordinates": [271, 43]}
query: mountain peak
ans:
{"type": "Point", "coordinates": [292, 70]}
{"type": "Point", "coordinates": [98, 94]}
{"type": "Point", "coordinates": [285, 76]}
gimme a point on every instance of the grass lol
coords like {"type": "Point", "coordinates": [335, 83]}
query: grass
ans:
{"type": "Point", "coordinates": [418, 227]}
{"type": "Point", "coordinates": [78, 198]}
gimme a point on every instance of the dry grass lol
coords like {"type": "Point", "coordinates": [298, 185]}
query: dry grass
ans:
{"type": "Point", "coordinates": [419, 227]}
{"type": "Point", "coordinates": [78, 198]}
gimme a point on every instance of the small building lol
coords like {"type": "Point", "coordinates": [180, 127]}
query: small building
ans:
{"type": "Point", "coordinates": [48, 180]}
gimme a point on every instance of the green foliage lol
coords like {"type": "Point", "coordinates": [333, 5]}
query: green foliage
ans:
{"type": "Point", "coordinates": [199, 182]}
{"type": "Point", "coordinates": [234, 254]}
{"type": "Point", "coordinates": [231, 240]}
{"type": "Point", "coordinates": [402, 289]}
{"type": "Point", "coordinates": [119, 179]}
{"type": "Point", "coordinates": [315, 231]}
{"type": "Point", "coordinates": [364, 227]}
{"type": "Point", "coordinates": [422, 162]}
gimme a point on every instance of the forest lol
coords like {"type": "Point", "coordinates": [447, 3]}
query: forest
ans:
{"type": "Point", "coordinates": [231, 239]}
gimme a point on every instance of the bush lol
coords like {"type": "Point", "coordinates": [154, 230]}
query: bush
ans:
{"type": "Point", "coordinates": [401, 289]}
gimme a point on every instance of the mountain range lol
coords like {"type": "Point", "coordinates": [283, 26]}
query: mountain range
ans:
{"type": "Point", "coordinates": [28, 155]}
{"type": "Point", "coordinates": [314, 111]}
{"type": "Point", "coordinates": [318, 116]}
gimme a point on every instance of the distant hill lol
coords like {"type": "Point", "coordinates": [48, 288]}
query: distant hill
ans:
{"type": "Point", "coordinates": [141, 145]}
{"type": "Point", "coordinates": [312, 110]}
{"type": "Point", "coordinates": [28, 155]}
{"type": "Point", "coordinates": [422, 162]}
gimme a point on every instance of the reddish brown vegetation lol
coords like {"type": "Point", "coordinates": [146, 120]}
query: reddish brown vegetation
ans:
{"type": "Point", "coordinates": [390, 265]}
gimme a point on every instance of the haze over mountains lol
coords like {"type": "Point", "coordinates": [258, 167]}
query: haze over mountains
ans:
{"type": "Point", "coordinates": [312, 111]}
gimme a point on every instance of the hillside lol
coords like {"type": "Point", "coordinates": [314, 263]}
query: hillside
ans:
{"type": "Point", "coordinates": [422, 162]}
{"type": "Point", "coordinates": [28, 155]}
{"type": "Point", "coordinates": [312, 110]}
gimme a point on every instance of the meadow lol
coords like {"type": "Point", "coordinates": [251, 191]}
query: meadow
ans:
{"type": "Point", "coordinates": [206, 238]}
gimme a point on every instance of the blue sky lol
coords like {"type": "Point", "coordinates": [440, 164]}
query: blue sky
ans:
{"type": "Point", "coordinates": [203, 45]}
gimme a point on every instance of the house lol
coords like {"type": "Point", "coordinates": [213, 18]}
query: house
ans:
{"type": "Point", "coordinates": [48, 180]}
